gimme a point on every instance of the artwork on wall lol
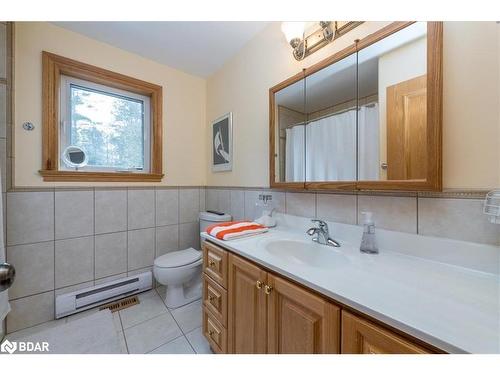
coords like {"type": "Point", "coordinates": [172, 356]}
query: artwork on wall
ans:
{"type": "Point", "coordinates": [222, 143]}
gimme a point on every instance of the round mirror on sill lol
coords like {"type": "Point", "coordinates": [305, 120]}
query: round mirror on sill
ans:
{"type": "Point", "coordinates": [74, 157]}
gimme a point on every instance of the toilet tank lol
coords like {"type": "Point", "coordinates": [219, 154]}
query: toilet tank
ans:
{"type": "Point", "coordinates": [210, 218]}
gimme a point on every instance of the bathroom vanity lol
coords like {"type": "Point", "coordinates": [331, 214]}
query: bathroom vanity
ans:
{"type": "Point", "coordinates": [281, 293]}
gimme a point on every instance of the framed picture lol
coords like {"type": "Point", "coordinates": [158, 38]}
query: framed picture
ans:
{"type": "Point", "coordinates": [222, 143]}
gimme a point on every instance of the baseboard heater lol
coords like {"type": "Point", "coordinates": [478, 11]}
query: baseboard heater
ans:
{"type": "Point", "coordinates": [84, 299]}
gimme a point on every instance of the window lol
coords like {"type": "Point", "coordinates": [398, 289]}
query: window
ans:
{"type": "Point", "coordinates": [114, 119]}
{"type": "Point", "coordinates": [112, 126]}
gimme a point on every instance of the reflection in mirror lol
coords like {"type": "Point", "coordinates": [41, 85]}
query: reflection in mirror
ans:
{"type": "Point", "coordinates": [392, 116]}
{"type": "Point", "coordinates": [330, 110]}
{"type": "Point", "coordinates": [290, 133]}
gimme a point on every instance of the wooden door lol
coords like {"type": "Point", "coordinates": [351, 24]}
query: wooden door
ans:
{"type": "Point", "coordinates": [300, 321]}
{"type": "Point", "coordinates": [407, 130]}
{"type": "Point", "coordinates": [360, 336]}
{"type": "Point", "coordinates": [247, 305]}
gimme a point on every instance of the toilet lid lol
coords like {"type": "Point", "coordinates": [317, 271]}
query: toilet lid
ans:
{"type": "Point", "coordinates": [178, 258]}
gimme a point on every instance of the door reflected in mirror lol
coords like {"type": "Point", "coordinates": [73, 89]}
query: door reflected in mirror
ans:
{"type": "Point", "coordinates": [392, 116]}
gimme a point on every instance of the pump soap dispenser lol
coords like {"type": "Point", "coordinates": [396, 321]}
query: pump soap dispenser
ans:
{"type": "Point", "coordinates": [368, 242]}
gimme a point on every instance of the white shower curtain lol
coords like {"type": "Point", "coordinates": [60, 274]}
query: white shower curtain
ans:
{"type": "Point", "coordinates": [330, 147]}
{"type": "Point", "coordinates": [368, 143]}
{"type": "Point", "coordinates": [294, 154]}
{"type": "Point", "coordinates": [4, 298]}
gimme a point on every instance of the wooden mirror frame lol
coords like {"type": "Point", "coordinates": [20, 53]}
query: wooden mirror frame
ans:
{"type": "Point", "coordinates": [433, 182]}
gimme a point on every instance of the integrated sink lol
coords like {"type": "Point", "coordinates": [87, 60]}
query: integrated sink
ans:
{"type": "Point", "coordinates": [306, 253]}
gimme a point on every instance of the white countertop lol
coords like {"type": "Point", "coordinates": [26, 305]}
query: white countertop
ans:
{"type": "Point", "coordinates": [452, 307]}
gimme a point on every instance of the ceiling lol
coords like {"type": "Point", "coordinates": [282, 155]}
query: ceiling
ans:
{"type": "Point", "coordinates": [198, 48]}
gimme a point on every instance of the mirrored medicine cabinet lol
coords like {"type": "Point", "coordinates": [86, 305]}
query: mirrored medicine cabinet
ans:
{"type": "Point", "coordinates": [367, 118]}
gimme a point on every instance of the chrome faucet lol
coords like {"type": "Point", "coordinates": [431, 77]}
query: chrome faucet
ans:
{"type": "Point", "coordinates": [322, 234]}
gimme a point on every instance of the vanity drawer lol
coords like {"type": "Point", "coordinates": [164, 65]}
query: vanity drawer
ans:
{"type": "Point", "coordinates": [215, 299]}
{"type": "Point", "coordinates": [215, 263]}
{"type": "Point", "coordinates": [214, 332]}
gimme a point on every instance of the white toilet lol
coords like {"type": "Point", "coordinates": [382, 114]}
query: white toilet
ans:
{"type": "Point", "coordinates": [180, 271]}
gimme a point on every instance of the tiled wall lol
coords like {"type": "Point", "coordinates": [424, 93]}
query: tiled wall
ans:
{"type": "Point", "coordinates": [440, 215]}
{"type": "Point", "coordinates": [64, 240]}
{"type": "Point", "coordinates": [5, 116]}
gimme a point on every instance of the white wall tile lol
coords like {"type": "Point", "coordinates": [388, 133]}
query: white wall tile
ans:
{"type": "Point", "coordinates": [212, 199]}
{"type": "Point", "coordinates": [110, 211]}
{"type": "Point", "coordinates": [460, 219]}
{"type": "Point", "coordinates": [74, 261]}
{"type": "Point", "coordinates": [167, 239]}
{"type": "Point", "coordinates": [237, 204]}
{"type": "Point", "coordinates": [189, 205]}
{"type": "Point", "coordinates": [252, 211]}
{"type": "Point", "coordinates": [189, 236]}
{"type": "Point", "coordinates": [336, 207]}
{"type": "Point", "coordinates": [167, 207]}
{"type": "Point", "coordinates": [392, 213]}
{"type": "Point", "coordinates": [141, 208]}
{"type": "Point", "coordinates": [29, 311]}
{"type": "Point", "coordinates": [34, 265]}
{"type": "Point", "coordinates": [30, 217]}
{"type": "Point", "coordinates": [301, 204]}
{"type": "Point", "coordinates": [74, 214]}
{"type": "Point", "coordinates": [141, 248]}
{"type": "Point", "coordinates": [224, 200]}
{"type": "Point", "coordinates": [110, 254]}
{"type": "Point", "coordinates": [203, 196]}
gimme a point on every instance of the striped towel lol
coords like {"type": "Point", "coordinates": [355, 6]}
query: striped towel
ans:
{"type": "Point", "coordinates": [235, 229]}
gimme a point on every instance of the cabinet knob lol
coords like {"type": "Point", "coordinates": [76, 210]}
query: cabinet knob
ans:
{"type": "Point", "coordinates": [268, 289]}
{"type": "Point", "coordinates": [210, 333]}
{"type": "Point", "coordinates": [211, 298]}
{"type": "Point", "coordinates": [211, 263]}
{"type": "Point", "coordinates": [258, 284]}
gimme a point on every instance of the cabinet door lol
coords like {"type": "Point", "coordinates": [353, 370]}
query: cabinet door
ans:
{"type": "Point", "coordinates": [247, 307]}
{"type": "Point", "coordinates": [300, 321]}
{"type": "Point", "coordinates": [360, 336]}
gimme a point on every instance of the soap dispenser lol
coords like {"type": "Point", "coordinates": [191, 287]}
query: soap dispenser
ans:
{"type": "Point", "coordinates": [368, 242]}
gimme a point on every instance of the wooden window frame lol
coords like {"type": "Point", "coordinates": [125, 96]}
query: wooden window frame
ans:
{"type": "Point", "coordinates": [53, 67]}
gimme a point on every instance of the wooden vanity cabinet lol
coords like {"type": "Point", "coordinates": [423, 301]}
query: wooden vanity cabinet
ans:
{"type": "Point", "coordinates": [268, 314]}
{"type": "Point", "coordinates": [249, 310]}
{"type": "Point", "coordinates": [359, 336]}
{"type": "Point", "coordinates": [300, 322]}
{"type": "Point", "coordinates": [247, 307]}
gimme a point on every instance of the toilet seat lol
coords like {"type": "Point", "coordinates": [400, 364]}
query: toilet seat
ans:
{"type": "Point", "coordinates": [178, 258]}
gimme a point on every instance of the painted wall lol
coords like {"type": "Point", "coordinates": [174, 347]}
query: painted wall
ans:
{"type": "Point", "coordinates": [471, 145]}
{"type": "Point", "coordinates": [184, 100]}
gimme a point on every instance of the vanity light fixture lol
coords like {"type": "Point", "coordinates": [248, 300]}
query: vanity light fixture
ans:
{"type": "Point", "coordinates": [307, 41]}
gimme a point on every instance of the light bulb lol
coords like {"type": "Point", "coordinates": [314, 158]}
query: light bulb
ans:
{"type": "Point", "coordinates": [293, 30]}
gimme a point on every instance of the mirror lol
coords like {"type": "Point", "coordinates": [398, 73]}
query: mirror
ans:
{"type": "Point", "coordinates": [74, 157]}
{"type": "Point", "coordinates": [368, 117]}
{"type": "Point", "coordinates": [290, 133]}
{"type": "Point", "coordinates": [392, 115]}
{"type": "Point", "coordinates": [330, 109]}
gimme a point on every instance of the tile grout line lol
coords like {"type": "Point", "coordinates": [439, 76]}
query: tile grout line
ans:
{"type": "Point", "coordinates": [123, 332]}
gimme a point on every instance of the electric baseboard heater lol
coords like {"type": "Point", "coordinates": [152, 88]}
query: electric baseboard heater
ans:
{"type": "Point", "coordinates": [84, 299]}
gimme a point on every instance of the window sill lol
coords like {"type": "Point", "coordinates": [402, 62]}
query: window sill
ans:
{"type": "Point", "coordinates": [60, 176]}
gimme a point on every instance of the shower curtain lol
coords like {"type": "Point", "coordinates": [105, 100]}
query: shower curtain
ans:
{"type": "Point", "coordinates": [368, 143]}
{"type": "Point", "coordinates": [330, 147]}
{"type": "Point", "coordinates": [4, 299]}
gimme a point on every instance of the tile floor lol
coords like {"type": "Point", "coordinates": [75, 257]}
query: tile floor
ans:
{"type": "Point", "coordinates": [149, 327]}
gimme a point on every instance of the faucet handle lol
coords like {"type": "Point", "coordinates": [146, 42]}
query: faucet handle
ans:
{"type": "Point", "coordinates": [322, 224]}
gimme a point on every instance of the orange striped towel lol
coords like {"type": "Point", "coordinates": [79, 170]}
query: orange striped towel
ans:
{"type": "Point", "coordinates": [235, 229]}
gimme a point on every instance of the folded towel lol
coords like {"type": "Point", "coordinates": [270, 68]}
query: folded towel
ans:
{"type": "Point", "coordinates": [235, 229]}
